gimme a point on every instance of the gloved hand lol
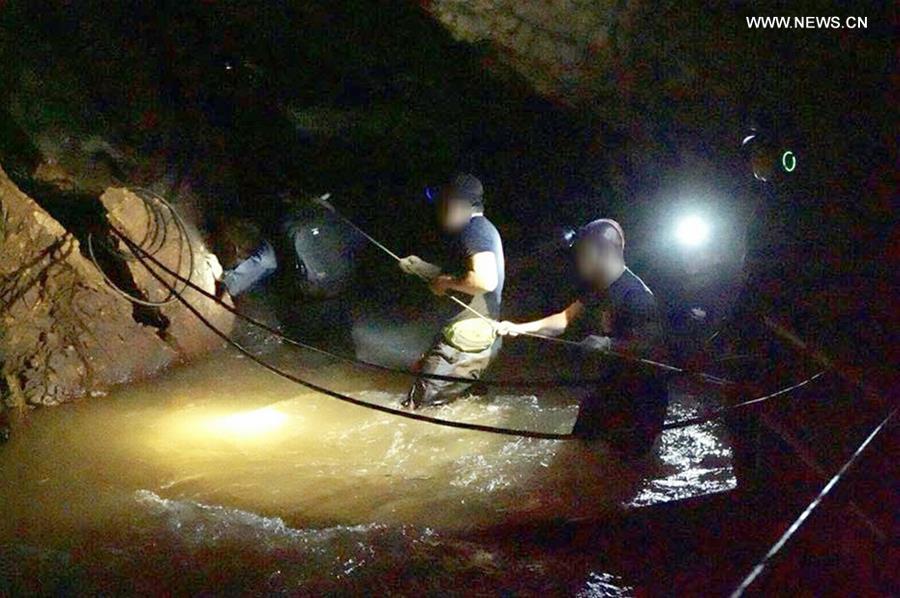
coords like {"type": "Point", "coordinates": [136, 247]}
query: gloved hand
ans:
{"type": "Point", "coordinates": [597, 343]}
{"type": "Point", "coordinates": [507, 328]}
{"type": "Point", "coordinates": [416, 266]}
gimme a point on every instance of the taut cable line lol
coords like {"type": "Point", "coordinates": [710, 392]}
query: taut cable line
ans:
{"type": "Point", "coordinates": [801, 519]}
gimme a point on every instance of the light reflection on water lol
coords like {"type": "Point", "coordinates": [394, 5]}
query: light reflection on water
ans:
{"type": "Point", "coordinates": [224, 456]}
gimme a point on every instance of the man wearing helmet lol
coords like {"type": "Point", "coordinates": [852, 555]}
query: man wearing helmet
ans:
{"type": "Point", "coordinates": [474, 273]}
{"type": "Point", "coordinates": [621, 316]}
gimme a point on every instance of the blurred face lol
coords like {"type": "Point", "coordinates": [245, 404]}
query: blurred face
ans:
{"type": "Point", "coordinates": [598, 264]}
{"type": "Point", "coordinates": [762, 162]}
{"type": "Point", "coordinates": [453, 214]}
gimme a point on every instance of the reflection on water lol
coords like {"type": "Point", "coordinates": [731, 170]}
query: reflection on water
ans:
{"type": "Point", "coordinates": [223, 460]}
{"type": "Point", "coordinates": [604, 585]}
{"type": "Point", "coordinates": [691, 461]}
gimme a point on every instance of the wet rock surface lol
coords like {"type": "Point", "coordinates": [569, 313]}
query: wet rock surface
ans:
{"type": "Point", "coordinates": [560, 47]}
{"type": "Point", "coordinates": [64, 332]}
{"type": "Point", "coordinates": [177, 244]}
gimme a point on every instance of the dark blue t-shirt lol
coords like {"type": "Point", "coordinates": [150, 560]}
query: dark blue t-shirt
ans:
{"type": "Point", "coordinates": [478, 236]}
{"type": "Point", "coordinates": [627, 313]}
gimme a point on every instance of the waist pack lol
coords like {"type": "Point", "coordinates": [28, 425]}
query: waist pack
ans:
{"type": "Point", "coordinates": [470, 335]}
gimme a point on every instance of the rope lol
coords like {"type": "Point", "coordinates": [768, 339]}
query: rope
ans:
{"type": "Point", "coordinates": [418, 416]}
{"type": "Point", "coordinates": [722, 411]}
{"type": "Point", "coordinates": [801, 519]}
{"type": "Point", "coordinates": [354, 361]}
{"type": "Point", "coordinates": [323, 201]}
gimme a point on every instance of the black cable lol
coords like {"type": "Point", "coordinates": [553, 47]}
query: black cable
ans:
{"type": "Point", "coordinates": [339, 396]}
{"type": "Point", "coordinates": [565, 383]}
{"type": "Point", "coordinates": [434, 420]}
{"type": "Point", "coordinates": [157, 235]}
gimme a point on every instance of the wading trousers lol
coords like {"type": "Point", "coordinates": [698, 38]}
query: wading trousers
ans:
{"type": "Point", "coordinates": [444, 359]}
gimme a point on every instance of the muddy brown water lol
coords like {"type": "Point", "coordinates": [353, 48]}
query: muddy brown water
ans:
{"type": "Point", "coordinates": [222, 477]}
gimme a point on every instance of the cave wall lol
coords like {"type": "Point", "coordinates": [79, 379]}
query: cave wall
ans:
{"type": "Point", "coordinates": [559, 46]}
{"type": "Point", "coordinates": [64, 333]}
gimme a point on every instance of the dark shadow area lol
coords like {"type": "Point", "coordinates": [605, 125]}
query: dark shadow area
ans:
{"type": "Point", "coordinates": [81, 214]}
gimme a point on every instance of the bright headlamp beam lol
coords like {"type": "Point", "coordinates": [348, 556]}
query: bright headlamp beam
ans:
{"type": "Point", "coordinates": [692, 231]}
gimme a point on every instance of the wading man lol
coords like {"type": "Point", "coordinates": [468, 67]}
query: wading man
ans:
{"type": "Point", "coordinates": [619, 314]}
{"type": "Point", "coordinates": [474, 273]}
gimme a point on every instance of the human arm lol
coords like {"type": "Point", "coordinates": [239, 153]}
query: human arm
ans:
{"type": "Point", "coordinates": [552, 325]}
{"type": "Point", "coordinates": [480, 277]}
{"type": "Point", "coordinates": [249, 272]}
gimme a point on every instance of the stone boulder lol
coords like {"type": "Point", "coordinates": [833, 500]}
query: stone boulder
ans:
{"type": "Point", "coordinates": [142, 217]}
{"type": "Point", "coordinates": [64, 332]}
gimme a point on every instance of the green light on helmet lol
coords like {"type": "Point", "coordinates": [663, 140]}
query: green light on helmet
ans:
{"type": "Point", "coordinates": [788, 161]}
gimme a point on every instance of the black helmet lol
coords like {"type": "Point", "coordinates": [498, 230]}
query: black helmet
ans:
{"type": "Point", "coordinates": [466, 186]}
{"type": "Point", "coordinates": [603, 231]}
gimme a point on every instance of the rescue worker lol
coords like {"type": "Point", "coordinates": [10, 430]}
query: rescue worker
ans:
{"type": "Point", "coordinates": [620, 315]}
{"type": "Point", "coordinates": [474, 272]}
